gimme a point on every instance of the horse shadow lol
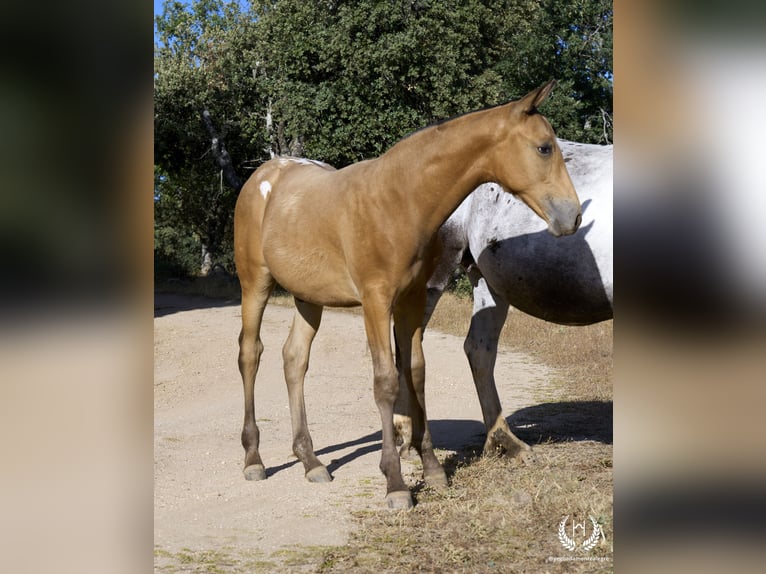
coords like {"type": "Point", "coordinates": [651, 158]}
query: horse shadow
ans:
{"type": "Point", "coordinates": [367, 444]}
{"type": "Point", "coordinates": [564, 421]}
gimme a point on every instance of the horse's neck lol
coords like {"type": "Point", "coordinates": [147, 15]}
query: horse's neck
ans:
{"type": "Point", "coordinates": [451, 161]}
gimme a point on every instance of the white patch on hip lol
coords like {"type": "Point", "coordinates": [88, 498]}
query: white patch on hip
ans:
{"type": "Point", "coordinates": [265, 188]}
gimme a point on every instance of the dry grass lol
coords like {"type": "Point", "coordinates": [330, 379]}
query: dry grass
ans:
{"type": "Point", "coordinates": [497, 516]}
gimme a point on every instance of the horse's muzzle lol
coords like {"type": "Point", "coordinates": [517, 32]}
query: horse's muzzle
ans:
{"type": "Point", "coordinates": [564, 217]}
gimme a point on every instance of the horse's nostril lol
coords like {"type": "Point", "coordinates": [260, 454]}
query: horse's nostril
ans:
{"type": "Point", "coordinates": [578, 221]}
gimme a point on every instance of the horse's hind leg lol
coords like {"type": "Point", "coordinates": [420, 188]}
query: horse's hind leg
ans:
{"type": "Point", "coordinates": [402, 407]}
{"type": "Point", "coordinates": [403, 412]}
{"type": "Point", "coordinates": [489, 314]}
{"type": "Point", "coordinates": [295, 354]}
{"type": "Point", "coordinates": [409, 333]}
{"type": "Point", "coordinates": [255, 295]}
{"type": "Point", "coordinates": [447, 250]}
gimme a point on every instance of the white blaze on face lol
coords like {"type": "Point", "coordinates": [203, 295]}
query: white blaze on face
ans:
{"type": "Point", "coordinates": [265, 188]}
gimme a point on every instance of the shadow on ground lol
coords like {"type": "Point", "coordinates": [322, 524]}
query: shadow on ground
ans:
{"type": "Point", "coordinates": [564, 421]}
{"type": "Point", "coordinates": [168, 303]}
{"type": "Point", "coordinates": [548, 422]}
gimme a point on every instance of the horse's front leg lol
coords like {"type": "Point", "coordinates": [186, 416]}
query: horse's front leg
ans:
{"type": "Point", "coordinates": [489, 314]}
{"type": "Point", "coordinates": [377, 322]}
{"type": "Point", "coordinates": [295, 355]}
{"type": "Point", "coordinates": [409, 334]}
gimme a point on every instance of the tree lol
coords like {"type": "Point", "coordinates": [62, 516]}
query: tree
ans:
{"type": "Point", "coordinates": [206, 125]}
{"type": "Point", "coordinates": [570, 40]}
{"type": "Point", "coordinates": [342, 81]}
{"type": "Point", "coordinates": [349, 79]}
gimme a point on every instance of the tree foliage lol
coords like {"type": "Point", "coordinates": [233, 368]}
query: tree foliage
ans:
{"type": "Point", "coordinates": [342, 80]}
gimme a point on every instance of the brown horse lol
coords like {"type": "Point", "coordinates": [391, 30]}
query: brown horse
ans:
{"type": "Point", "coordinates": [367, 235]}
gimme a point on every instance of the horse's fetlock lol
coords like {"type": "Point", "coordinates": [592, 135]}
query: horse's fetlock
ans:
{"type": "Point", "coordinates": [250, 437]}
{"type": "Point", "coordinates": [303, 447]}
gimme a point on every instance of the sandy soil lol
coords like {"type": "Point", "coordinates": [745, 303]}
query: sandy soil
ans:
{"type": "Point", "coordinates": [202, 501]}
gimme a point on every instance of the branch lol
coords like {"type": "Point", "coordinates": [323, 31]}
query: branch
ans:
{"type": "Point", "coordinates": [222, 156]}
{"type": "Point", "coordinates": [607, 121]}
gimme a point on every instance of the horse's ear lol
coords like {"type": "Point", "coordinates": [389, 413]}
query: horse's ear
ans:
{"type": "Point", "coordinates": [529, 103]}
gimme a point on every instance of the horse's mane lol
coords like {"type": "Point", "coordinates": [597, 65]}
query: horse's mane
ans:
{"type": "Point", "coordinates": [445, 120]}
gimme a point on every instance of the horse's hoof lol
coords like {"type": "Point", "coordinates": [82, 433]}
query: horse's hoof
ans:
{"type": "Point", "coordinates": [436, 479]}
{"type": "Point", "coordinates": [318, 474]}
{"type": "Point", "coordinates": [501, 443]}
{"type": "Point", "coordinates": [255, 472]}
{"type": "Point", "coordinates": [399, 499]}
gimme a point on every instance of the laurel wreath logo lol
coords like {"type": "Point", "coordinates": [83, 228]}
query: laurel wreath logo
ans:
{"type": "Point", "coordinates": [588, 544]}
{"type": "Point", "coordinates": [591, 542]}
{"type": "Point", "coordinates": [567, 542]}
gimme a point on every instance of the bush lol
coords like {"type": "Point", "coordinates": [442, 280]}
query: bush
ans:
{"type": "Point", "coordinates": [176, 255]}
{"type": "Point", "coordinates": [460, 285]}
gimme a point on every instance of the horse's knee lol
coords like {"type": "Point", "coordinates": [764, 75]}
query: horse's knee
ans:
{"type": "Point", "coordinates": [250, 340]}
{"type": "Point", "coordinates": [295, 359]}
{"type": "Point", "coordinates": [250, 351]}
{"type": "Point", "coordinates": [477, 350]}
{"type": "Point", "coordinates": [386, 387]}
{"type": "Point", "coordinates": [479, 339]}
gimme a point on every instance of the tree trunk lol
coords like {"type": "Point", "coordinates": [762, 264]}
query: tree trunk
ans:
{"type": "Point", "coordinates": [207, 261]}
{"type": "Point", "coordinates": [222, 156]}
{"type": "Point", "coordinates": [270, 131]}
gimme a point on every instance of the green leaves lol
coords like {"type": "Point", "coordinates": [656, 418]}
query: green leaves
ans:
{"type": "Point", "coordinates": [343, 80]}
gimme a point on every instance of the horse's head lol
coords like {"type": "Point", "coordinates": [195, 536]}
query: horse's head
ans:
{"type": "Point", "coordinates": [529, 164]}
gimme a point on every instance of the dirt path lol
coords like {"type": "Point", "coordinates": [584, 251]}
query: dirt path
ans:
{"type": "Point", "coordinates": [202, 501]}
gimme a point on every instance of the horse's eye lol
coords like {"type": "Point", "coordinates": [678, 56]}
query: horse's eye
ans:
{"type": "Point", "coordinates": [544, 149]}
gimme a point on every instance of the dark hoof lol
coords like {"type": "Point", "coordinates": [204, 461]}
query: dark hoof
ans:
{"type": "Point", "coordinates": [255, 472]}
{"type": "Point", "coordinates": [318, 474]}
{"type": "Point", "coordinates": [400, 499]}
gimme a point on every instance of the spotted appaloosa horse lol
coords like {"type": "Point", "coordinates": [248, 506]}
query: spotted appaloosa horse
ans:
{"type": "Point", "coordinates": [364, 235]}
{"type": "Point", "coordinates": [511, 260]}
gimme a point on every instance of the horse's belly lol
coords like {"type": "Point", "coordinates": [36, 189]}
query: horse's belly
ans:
{"type": "Point", "coordinates": [566, 292]}
{"type": "Point", "coordinates": [563, 307]}
{"type": "Point", "coordinates": [312, 273]}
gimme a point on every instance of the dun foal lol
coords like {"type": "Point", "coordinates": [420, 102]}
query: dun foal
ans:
{"type": "Point", "coordinates": [365, 235]}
